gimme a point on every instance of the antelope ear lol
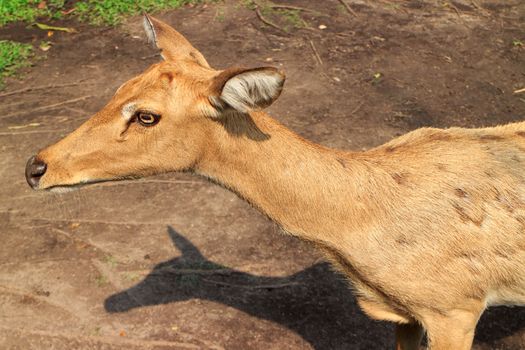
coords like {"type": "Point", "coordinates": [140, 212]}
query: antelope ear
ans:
{"type": "Point", "coordinates": [174, 46]}
{"type": "Point", "coordinates": [247, 89]}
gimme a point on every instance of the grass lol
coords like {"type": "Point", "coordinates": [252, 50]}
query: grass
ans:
{"type": "Point", "coordinates": [293, 18]}
{"type": "Point", "coordinates": [28, 11]}
{"type": "Point", "coordinates": [288, 18]}
{"type": "Point", "coordinates": [219, 15]}
{"type": "Point", "coordinates": [13, 56]}
{"type": "Point", "coordinates": [111, 261]}
{"type": "Point", "coordinates": [101, 281]}
{"type": "Point", "coordinates": [112, 12]}
{"type": "Point", "coordinates": [97, 12]}
{"type": "Point", "coordinates": [131, 276]}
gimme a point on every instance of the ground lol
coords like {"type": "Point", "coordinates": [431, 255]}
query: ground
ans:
{"type": "Point", "coordinates": [174, 262]}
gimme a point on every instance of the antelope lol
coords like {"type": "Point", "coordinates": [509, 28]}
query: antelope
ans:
{"type": "Point", "coordinates": [429, 227]}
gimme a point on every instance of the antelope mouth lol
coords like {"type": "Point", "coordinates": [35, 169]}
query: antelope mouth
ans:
{"type": "Point", "coordinates": [64, 188]}
{"type": "Point", "coordinates": [61, 188]}
{"type": "Point", "coordinates": [69, 187]}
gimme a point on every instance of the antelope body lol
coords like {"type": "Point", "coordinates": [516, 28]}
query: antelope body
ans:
{"type": "Point", "coordinates": [429, 228]}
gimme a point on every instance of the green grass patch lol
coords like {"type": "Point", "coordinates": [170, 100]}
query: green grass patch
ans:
{"type": "Point", "coordinates": [13, 56]}
{"type": "Point", "coordinates": [285, 19]}
{"type": "Point", "coordinates": [28, 11]}
{"type": "Point", "coordinates": [97, 12]}
{"type": "Point", "coordinates": [111, 261]}
{"type": "Point", "coordinates": [292, 18]}
{"type": "Point", "coordinates": [112, 12]}
{"type": "Point", "coordinates": [101, 281]}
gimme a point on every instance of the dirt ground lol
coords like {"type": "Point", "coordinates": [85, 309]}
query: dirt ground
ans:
{"type": "Point", "coordinates": [174, 262]}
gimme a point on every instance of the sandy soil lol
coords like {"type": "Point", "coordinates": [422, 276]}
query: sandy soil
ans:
{"type": "Point", "coordinates": [173, 262]}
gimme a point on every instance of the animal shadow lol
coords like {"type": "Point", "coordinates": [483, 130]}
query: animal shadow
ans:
{"type": "Point", "coordinates": [316, 303]}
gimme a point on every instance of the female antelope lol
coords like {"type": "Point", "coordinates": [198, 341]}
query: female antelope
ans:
{"type": "Point", "coordinates": [429, 228]}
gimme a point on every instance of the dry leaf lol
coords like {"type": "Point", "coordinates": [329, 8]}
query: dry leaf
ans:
{"type": "Point", "coordinates": [62, 29]}
{"type": "Point", "coordinates": [44, 46]}
{"type": "Point", "coordinates": [15, 127]}
{"type": "Point", "coordinates": [74, 225]}
{"type": "Point", "coordinates": [67, 12]}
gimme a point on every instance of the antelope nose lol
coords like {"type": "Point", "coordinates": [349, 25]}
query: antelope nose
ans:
{"type": "Point", "coordinates": [35, 169]}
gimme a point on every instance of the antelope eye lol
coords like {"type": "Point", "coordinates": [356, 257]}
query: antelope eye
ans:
{"type": "Point", "coordinates": [147, 118]}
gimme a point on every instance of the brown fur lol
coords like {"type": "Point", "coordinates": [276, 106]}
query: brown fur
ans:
{"type": "Point", "coordinates": [429, 227]}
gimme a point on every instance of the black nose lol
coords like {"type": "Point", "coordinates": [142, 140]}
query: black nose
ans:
{"type": "Point", "coordinates": [35, 169]}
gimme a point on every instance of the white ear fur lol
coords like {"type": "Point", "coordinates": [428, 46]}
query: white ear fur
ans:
{"type": "Point", "coordinates": [252, 89]}
{"type": "Point", "coordinates": [150, 30]}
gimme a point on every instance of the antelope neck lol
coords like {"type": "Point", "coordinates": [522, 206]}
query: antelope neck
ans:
{"type": "Point", "coordinates": [312, 191]}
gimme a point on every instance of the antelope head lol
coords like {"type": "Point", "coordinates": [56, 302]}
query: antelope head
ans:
{"type": "Point", "coordinates": [160, 121]}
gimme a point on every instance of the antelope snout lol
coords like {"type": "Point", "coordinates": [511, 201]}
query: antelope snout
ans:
{"type": "Point", "coordinates": [35, 169]}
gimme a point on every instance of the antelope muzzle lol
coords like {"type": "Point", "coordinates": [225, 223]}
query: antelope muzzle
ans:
{"type": "Point", "coordinates": [35, 169]}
